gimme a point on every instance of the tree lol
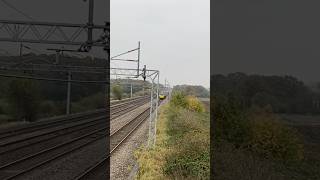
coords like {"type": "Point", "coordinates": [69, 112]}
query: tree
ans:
{"type": "Point", "coordinates": [24, 99]}
{"type": "Point", "coordinates": [117, 91]}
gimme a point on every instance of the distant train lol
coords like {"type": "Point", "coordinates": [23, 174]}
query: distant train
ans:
{"type": "Point", "coordinates": [162, 97]}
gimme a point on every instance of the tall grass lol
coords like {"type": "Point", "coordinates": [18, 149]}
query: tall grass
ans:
{"type": "Point", "coordinates": [183, 143]}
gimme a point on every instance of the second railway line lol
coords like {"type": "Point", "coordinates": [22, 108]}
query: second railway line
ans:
{"type": "Point", "coordinates": [18, 156]}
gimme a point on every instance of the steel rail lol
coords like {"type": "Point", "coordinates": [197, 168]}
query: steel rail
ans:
{"type": "Point", "coordinates": [93, 121]}
{"type": "Point", "coordinates": [56, 156]}
{"type": "Point", "coordinates": [71, 126]}
{"type": "Point", "coordinates": [70, 119]}
{"type": "Point", "coordinates": [92, 169]}
{"type": "Point", "coordinates": [19, 173]}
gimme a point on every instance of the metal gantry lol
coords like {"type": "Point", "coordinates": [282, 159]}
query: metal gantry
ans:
{"type": "Point", "coordinates": [153, 108]}
{"type": "Point", "coordinates": [153, 76]}
{"type": "Point", "coordinates": [55, 33]}
{"type": "Point", "coordinates": [58, 33]}
{"type": "Point", "coordinates": [84, 36]}
{"type": "Point", "coordinates": [118, 58]}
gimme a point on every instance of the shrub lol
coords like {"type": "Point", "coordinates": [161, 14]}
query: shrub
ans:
{"type": "Point", "coordinates": [92, 102]}
{"type": "Point", "coordinates": [194, 104]}
{"type": "Point", "coordinates": [3, 106]}
{"type": "Point", "coordinates": [182, 147]}
{"type": "Point", "coordinates": [272, 139]}
{"type": "Point", "coordinates": [232, 163]}
{"type": "Point", "coordinates": [178, 99]}
{"type": "Point", "coordinates": [49, 108]}
{"type": "Point", "coordinates": [117, 92]}
{"type": "Point", "coordinates": [257, 130]}
{"type": "Point", "coordinates": [190, 132]}
{"type": "Point", "coordinates": [230, 122]}
{"type": "Point", "coordinates": [24, 99]}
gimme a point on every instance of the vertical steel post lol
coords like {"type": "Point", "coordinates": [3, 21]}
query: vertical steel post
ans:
{"type": "Point", "coordinates": [57, 56]}
{"type": "Point", "coordinates": [90, 20]}
{"type": "Point", "coordinates": [138, 59]}
{"type": "Point", "coordinates": [20, 51]}
{"type": "Point", "coordinates": [107, 90]}
{"type": "Point", "coordinates": [150, 119]}
{"type": "Point", "coordinates": [156, 118]}
{"type": "Point", "coordinates": [131, 89]}
{"type": "Point", "coordinates": [69, 93]}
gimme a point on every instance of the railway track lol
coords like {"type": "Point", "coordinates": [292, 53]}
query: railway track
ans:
{"type": "Point", "coordinates": [5, 134]}
{"type": "Point", "coordinates": [99, 170]}
{"type": "Point", "coordinates": [53, 135]}
{"type": "Point", "coordinates": [116, 110]}
{"type": "Point", "coordinates": [26, 164]}
{"type": "Point", "coordinates": [11, 168]}
{"type": "Point", "coordinates": [126, 100]}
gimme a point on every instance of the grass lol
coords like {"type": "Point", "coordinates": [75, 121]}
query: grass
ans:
{"type": "Point", "coordinates": [152, 161]}
{"type": "Point", "coordinates": [182, 147]}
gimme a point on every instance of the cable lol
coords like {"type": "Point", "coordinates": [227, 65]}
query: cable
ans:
{"type": "Point", "coordinates": [52, 79]}
{"type": "Point", "coordinates": [24, 14]}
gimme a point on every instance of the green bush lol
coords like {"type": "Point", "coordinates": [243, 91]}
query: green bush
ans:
{"type": "Point", "coordinates": [92, 102]}
{"type": "Point", "coordinates": [49, 108]}
{"type": "Point", "coordinates": [24, 99]}
{"type": "Point", "coordinates": [257, 130]}
{"type": "Point", "coordinates": [117, 92]}
{"type": "Point", "coordinates": [230, 121]}
{"type": "Point", "coordinates": [3, 106]}
{"type": "Point", "coordinates": [190, 132]}
{"type": "Point", "coordinates": [194, 104]}
{"type": "Point", "coordinates": [272, 139]}
{"type": "Point", "coordinates": [178, 99]}
{"type": "Point", "coordinates": [232, 163]}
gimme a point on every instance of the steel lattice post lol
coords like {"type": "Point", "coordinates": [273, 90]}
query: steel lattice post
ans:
{"type": "Point", "coordinates": [69, 94]}
{"type": "Point", "coordinates": [150, 119]}
{"type": "Point", "coordinates": [156, 115]}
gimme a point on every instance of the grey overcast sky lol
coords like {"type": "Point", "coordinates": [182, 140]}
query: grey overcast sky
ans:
{"type": "Point", "coordinates": [267, 37]}
{"type": "Point", "coordinates": [174, 35]}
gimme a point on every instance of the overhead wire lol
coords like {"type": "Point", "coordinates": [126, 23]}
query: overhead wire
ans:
{"type": "Point", "coordinates": [11, 6]}
{"type": "Point", "coordinates": [17, 10]}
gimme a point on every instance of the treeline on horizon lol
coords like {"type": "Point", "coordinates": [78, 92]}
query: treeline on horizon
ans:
{"type": "Point", "coordinates": [198, 91]}
{"type": "Point", "coordinates": [124, 86]}
{"type": "Point", "coordinates": [284, 94]}
{"type": "Point", "coordinates": [33, 99]}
